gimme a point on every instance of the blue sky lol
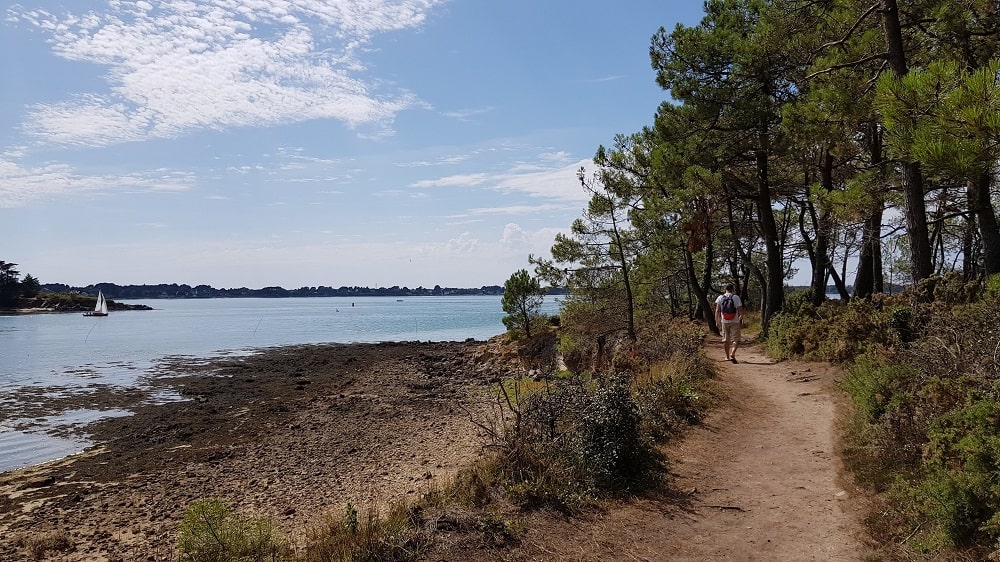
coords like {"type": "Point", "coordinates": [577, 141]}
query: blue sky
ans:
{"type": "Point", "coordinates": [306, 142]}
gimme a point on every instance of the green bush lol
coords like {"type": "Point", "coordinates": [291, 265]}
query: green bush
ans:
{"type": "Point", "coordinates": [788, 336]}
{"type": "Point", "coordinates": [210, 532]}
{"type": "Point", "coordinates": [564, 442]}
{"type": "Point", "coordinates": [674, 395]}
{"type": "Point", "coordinates": [926, 430]}
{"type": "Point", "coordinates": [991, 288]}
{"type": "Point", "coordinates": [873, 385]}
{"type": "Point", "coordinates": [835, 331]}
{"type": "Point", "coordinates": [614, 454]}
{"type": "Point", "coordinates": [901, 323]}
{"type": "Point", "coordinates": [963, 461]}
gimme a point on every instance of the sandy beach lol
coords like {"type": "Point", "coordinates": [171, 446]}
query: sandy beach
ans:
{"type": "Point", "coordinates": [292, 433]}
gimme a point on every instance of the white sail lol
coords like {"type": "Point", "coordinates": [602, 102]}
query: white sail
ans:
{"type": "Point", "coordinates": [102, 305]}
{"type": "Point", "coordinates": [101, 308]}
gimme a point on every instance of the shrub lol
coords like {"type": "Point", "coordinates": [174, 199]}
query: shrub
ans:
{"type": "Point", "coordinates": [564, 442]}
{"type": "Point", "coordinates": [210, 532]}
{"type": "Point", "coordinates": [571, 442]}
{"type": "Point", "coordinates": [788, 336]}
{"type": "Point", "coordinates": [835, 331]}
{"type": "Point", "coordinates": [614, 454]}
{"type": "Point", "coordinates": [963, 458]}
{"type": "Point", "coordinates": [371, 535]}
{"type": "Point", "coordinates": [926, 432]}
{"type": "Point", "coordinates": [671, 397]}
{"type": "Point", "coordinates": [39, 545]}
{"type": "Point", "coordinates": [575, 352]}
{"type": "Point", "coordinates": [872, 385]}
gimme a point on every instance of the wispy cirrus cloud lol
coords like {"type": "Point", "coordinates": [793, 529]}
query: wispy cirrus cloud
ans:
{"type": "Point", "coordinates": [466, 114]}
{"type": "Point", "coordinates": [177, 67]}
{"type": "Point", "coordinates": [446, 160]}
{"type": "Point", "coordinates": [548, 177]}
{"type": "Point", "coordinates": [459, 180]}
{"type": "Point", "coordinates": [520, 210]}
{"type": "Point", "coordinates": [610, 78]}
{"type": "Point", "coordinates": [555, 182]}
{"type": "Point", "coordinates": [21, 184]}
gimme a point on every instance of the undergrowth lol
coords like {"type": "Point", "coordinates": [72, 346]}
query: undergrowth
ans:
{"type": "Point", "coordinates": [564, 442]}
{"type": "Point", "coordinates": [923, 372]}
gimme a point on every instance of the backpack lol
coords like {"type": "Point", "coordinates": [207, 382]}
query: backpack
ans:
{"type": "Point", "coordinates": [728, 308]}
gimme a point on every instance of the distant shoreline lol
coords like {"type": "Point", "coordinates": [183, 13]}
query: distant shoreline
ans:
{"type": "Point", "coordinates": [183, 291]}
{"type": "Point", "coordinates": [85, 303]}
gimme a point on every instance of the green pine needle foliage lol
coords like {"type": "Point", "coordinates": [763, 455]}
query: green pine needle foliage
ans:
{"type": "Point", "coordinates": [211, 532]}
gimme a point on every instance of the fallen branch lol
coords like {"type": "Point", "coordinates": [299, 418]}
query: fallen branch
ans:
{"type": "Point", "coordinates": [729, 507]}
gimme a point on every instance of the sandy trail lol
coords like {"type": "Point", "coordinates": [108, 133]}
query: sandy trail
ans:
{"type": "Point", "coordinates": [758, 480]}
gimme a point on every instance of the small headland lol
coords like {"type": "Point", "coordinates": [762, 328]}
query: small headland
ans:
{"type": "Point", "coordinates": [51, 303]}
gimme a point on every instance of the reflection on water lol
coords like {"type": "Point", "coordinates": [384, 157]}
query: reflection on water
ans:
{"type": "Point", "coordinates": [22, 449]}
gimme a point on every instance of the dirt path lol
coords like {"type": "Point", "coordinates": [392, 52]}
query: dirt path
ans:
{"type": "Point", "coordinates": [759, 480]}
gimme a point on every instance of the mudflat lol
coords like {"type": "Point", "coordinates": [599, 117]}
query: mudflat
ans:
{"type": "Point", "coordinates": [292, 433]}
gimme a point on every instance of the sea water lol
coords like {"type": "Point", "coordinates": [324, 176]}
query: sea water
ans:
{"type": "Point", "coordinates": [47, 356]}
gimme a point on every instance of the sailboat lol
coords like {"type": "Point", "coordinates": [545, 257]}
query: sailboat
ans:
{"type": "Point", "coordinates": [101, 308]}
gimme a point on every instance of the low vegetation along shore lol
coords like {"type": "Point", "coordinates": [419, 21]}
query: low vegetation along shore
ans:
{"type": "Point", "coordinates": [64, 302]}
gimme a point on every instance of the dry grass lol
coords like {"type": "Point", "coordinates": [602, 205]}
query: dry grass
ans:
{"type": "Point", "coordinates": [40, 545]}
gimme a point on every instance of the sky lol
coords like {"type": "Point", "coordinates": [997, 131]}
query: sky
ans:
{"type": "Point", "coordinates": [296, 143]}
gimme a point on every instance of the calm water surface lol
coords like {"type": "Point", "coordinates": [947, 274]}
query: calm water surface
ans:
{"type": "Point", "coordinates": [45, 356]}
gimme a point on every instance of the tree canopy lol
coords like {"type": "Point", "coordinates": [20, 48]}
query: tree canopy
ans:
{"type": "Point", "coordinates": [522, 301]}
{"type": "Point", "coordinates": [856, 141]}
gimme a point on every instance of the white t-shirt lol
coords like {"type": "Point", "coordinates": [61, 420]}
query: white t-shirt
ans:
{"type": "Point", "coordinates": [736, 302]}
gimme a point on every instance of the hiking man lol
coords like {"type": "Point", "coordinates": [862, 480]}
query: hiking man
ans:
{"type": "Point", "coordinates": [729, 317]}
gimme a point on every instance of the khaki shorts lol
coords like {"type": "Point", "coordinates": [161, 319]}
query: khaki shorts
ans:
{"type": "Point", "coordinates": [731, 331]}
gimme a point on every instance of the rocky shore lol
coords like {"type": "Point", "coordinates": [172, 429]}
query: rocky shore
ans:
{"type": "Point", "coordinates": [292, 433]}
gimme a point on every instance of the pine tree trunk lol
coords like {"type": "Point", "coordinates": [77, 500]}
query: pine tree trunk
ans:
{"type": "Point", "coordinates": [914, 207]}
{"type": "Point", "coordinates": [699, 293]}
{"type": "Point", "coordinates": [989, 231]}
{"type": "Point", "coordinates": [769, 230]}
{"type": "Point", "coordinates": [821, 225]}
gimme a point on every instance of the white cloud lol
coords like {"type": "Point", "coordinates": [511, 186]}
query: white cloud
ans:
{"type": "Point", "coordinates": [462, 180]}
{"type": "Point", "coordinates": [513, 236]}
{"type": "Point", "coordinates": [609, 78]}
{"type": "Point", "coordinates": [443, 160]}
{"type": "Point", "coordinates": [20, 185]}
{"type": "Point", "coordinates": [554, 183]}
{"type": "Point", "coordinates": [551, 178]}
{"type": "Point", "coordinates": [466, 114]}
{"type": "Point", "coordinates": [560, 157]}
{"type": "Point", "coordinates": [179, 67]}
{"type": "Point", "coordinates": [521, 242]}
{"type": "Point", "coordinates": [465, 243]}
{"type": "Point", "coordinates": [523, 209]}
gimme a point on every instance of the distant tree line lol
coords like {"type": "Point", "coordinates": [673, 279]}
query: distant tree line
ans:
{"type": "Point", "coordinates": [183, 291]}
